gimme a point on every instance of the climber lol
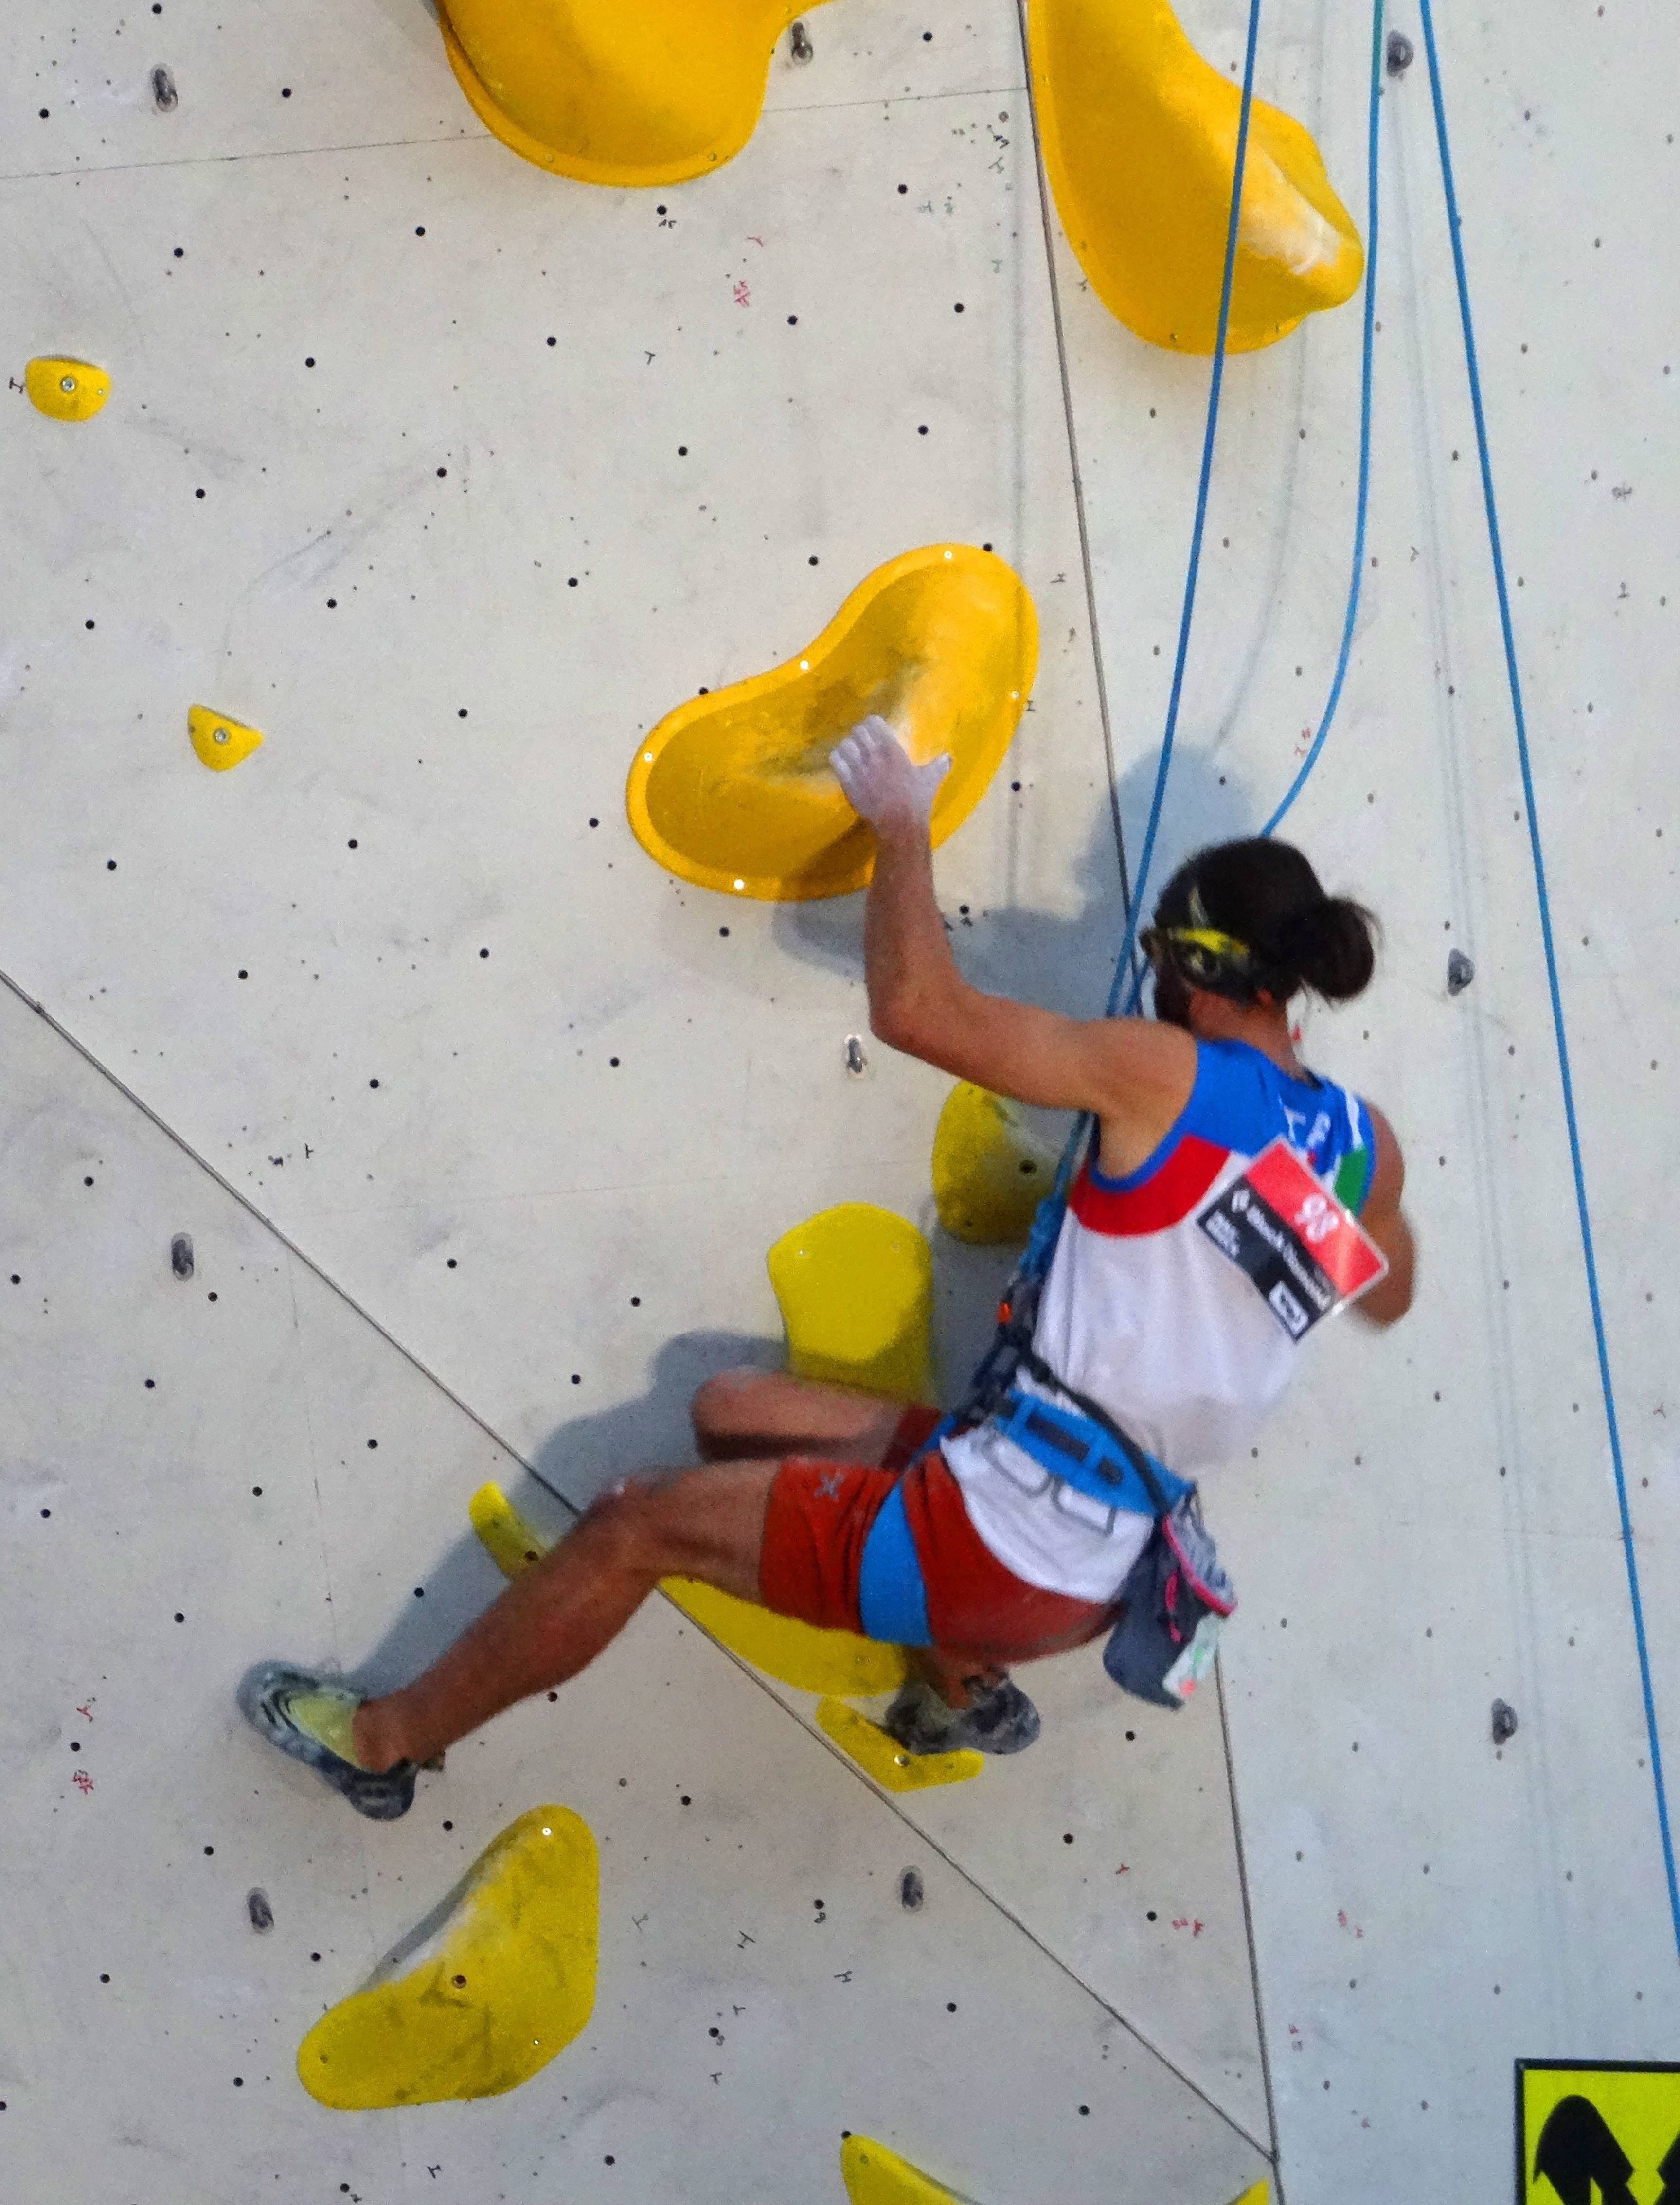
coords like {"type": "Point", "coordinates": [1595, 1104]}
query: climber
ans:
{"type": "Point", "coordinates": [824, 1504]}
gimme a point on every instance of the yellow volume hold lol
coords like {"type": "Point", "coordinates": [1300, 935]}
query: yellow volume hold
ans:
{"type": "Point", "coordinates": [510, 1983]}
{"type": "Point", "coordinates": [734, 790]}
{"type": "Point", "coordinates": [617, 91]}
{"type": "Point", "coordinates": [793, 1653]}
{"type": "Point", "coordinates": [1140, 141]}
{"type": "Point", "coordinates": [990, 1170]}
{"type": "Point", "coordinates": [67, 390]}
{"type": "Point", "coordinates": [220, 742]}
{"type": "Point", "coordinates": [855, 1285]}
{"type": "Point", "coordinates": [875, 2176]}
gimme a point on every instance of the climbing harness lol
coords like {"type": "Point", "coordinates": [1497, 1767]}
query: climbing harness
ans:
{"type": "Point", "coordinates": [1538, 854]}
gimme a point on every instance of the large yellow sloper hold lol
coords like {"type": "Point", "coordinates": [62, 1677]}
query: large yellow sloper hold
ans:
{"type": "Point", "coordinates": [990, 1170]}
{"type": "Point", "coordinates": [875, 2176]}
{"type": "Point", "coordinates": [1140, 141]}
{"type": "Point", "coordinates": [734, 790]}
{"type": "Point", "coordinates": [511, 1982]}
{"type": "Point", "coordinates": [617, 91]}
{"type": "Point", "coordinates": [66, 390]}
{"type": "Point", "coordinates": [796, 1654]}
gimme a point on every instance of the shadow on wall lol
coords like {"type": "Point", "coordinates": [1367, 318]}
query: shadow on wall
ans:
{"type": "Point", "coordinates": [1064, 963]}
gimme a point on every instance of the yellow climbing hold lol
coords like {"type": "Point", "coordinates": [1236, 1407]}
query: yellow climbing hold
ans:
{"type": "Point", "coordinates": [67, 390]}
{"type": "Point", "coordinates": [219, 741]}
{"type": "Point", "coordinates": [512, 1543]}
{"type": "Point", "coordinates": [885, 1760]}
{"type": "Point", "coordinates": [1259, 2195]}
{"type": "Point", "coordinates": [617, 91]}
{"type": "Point", "coordinates": [855, 1289]}
{"type": "Point", "coordinates": [510, 1983]}
{"type": "Point", "coordinates": [734, 790]}
{"type": "Point", "coordinates": [1139, 140]}
{"type": "Point", "coordinates": [990, 1168]}
{"type": "Point", "coordinates": [796, 1654]}
{"type": "Point", "coordinates": [876, 2176]}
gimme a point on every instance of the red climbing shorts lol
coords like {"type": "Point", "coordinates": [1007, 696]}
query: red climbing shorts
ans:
{"type": "Point", "coordinates": [820, 1514]}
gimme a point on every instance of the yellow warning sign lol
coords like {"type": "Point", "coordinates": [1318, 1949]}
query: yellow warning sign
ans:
{"type": "Point", "coordinates": [1605, 2133]}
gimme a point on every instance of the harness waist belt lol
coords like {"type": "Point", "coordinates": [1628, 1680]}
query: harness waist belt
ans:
{"type": "Point", "coordinates": [1082, 1453]}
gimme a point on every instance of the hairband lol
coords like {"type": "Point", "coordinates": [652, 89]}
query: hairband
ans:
{"type": "Point", "coordinates": [1224, 947]}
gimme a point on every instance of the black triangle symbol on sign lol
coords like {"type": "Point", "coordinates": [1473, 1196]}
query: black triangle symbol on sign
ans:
{"type": "Point", "coordinates": [1576, 2152]}
{"type": "Point", "coordinates": [1670, 2172]}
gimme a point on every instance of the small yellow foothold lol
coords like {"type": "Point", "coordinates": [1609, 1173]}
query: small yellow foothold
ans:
{"type": "Point", "coordinates": [855, 1289]}
{"type": "Point", "coordinates": [875, 2176]}
{"type": "Point", "coordinates": [1140, 145]}
{"type": "Point", "coordinates": [67, 390]}
{"type": "Point", "coordinates": [796, 1654]}
{"type": "Point", "coordinates": [1259, 2195]}
{"type": "Point", "coordinates": [734, 790]}
{"type": "Point", "coordinates": [885, 1760]}
{"type": "Point", "coordinates": [511, 1983]}
{"type": "Point", "coordinates": [219, 741]}
{"type": "Point", "coordinates": [990, 1170]}
{"type": "Point", "coordinates": [512, 1543]}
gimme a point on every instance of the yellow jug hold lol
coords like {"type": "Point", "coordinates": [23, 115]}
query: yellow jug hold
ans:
{"type": "Point", "coordinates": [734, 790]}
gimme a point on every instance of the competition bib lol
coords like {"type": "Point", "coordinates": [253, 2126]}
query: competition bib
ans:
{"type": "Point", "coordinates": [1306, 1253]}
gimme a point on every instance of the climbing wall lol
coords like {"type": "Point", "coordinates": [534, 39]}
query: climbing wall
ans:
{"type": "Point", "coordinates": [454, 477]}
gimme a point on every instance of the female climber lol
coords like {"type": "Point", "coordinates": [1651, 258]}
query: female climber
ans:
{"type": "Point", "coordinates": [1169, 1307]}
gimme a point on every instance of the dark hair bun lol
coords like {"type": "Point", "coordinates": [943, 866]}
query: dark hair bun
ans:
{"type": "Point", "coordinates": [1265, 895]}
{"type": "Point", "coordinates": [1329, 944]}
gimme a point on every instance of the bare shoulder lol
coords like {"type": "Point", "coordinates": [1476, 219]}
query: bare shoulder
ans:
{"type": "Point", "coordinates": [1145, 1060]}
{"type": "Point", "coordinates": [1145, 1072]}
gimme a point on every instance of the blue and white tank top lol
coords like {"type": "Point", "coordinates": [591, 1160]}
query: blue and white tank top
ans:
{"type": "Point", "coordinates": [1142, 1312]}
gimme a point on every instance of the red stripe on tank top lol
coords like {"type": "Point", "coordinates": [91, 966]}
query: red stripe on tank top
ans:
{"type": "Point", "coordinates": [1166, 1197]}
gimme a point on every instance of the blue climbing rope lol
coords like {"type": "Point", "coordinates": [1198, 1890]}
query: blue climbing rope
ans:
{"type": "Point", "coordinates": [1047, 1223]}
{"type": "Point", "coordinates": [1363, 499]}
{"type": "Point", "coordinates": [1187, 614]}
{"type": "Point", "coordinates": [1126, 959]}
{"type": "Point", "coordinates": [1538, 853]}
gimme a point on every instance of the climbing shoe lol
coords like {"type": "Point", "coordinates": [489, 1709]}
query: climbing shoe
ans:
{"type": "Point", "coordinates": [309, 1718]}
{"type": "Point", "coordinates": [1000, 1719]}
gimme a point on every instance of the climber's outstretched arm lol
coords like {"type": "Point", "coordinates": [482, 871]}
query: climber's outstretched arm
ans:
{"type": "Point", "coordinates": [919, 1001]}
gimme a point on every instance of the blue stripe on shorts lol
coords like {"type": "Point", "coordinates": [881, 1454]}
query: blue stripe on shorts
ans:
{"type": "Point", "coordinates": [891, 1596]}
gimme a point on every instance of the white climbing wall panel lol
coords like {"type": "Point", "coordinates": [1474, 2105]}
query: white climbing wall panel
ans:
{"type": "Point", "coordinates": [492, 1208]}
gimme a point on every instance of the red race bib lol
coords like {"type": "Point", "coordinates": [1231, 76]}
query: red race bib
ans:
{"type": "Point", "coordinates": [1306, 1252]}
